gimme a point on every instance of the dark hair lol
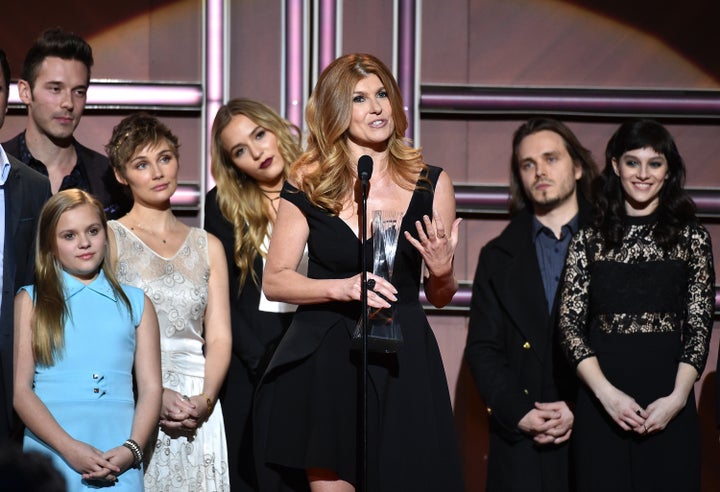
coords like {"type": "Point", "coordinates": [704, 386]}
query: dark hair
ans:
{"type": "Point", "coordinates": [59, 43]}
{"type": "Point", "coordinates": [29, 471]}
{"type": "Point", "coordinates": [675, 208]}
{"type": "Point", "coordinates": [5, 67]}
{"type": "Point", "coordinates": [580, 155]}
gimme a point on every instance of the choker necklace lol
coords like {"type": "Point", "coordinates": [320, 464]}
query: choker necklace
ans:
{"type": "Point", "coordinates": [270, 198]}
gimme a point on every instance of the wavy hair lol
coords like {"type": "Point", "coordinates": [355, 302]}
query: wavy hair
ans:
{"type": "Point", "coordinates": [675, 208]}
{"type": "Point", "coordinates": [238, 195]}
{"type": "Point", "coordinates": [51, 313]}
{"type": "Point", "coordinates": [134, 132]}
{"type": "Point", "coordinates": [325, 171]}
{"type": "Point", "coordinates": [580, 155]}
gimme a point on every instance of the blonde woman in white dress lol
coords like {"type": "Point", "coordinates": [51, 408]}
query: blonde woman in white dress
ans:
{"type": "Point", "coordinates": [183, 271]}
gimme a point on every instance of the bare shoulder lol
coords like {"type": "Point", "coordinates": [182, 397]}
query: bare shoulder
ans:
{"type": "Point", "coordinates": [444, 189]}
{"type": "Point", "coordinates": [444, 181]}
{"type": "Point", "coordinates": [23, 300]}
{"type": "Point", "coordinates": [215, 246]}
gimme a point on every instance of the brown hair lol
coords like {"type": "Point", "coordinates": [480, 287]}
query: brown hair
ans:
{"type": "Point", "coordinates": [135, 132]}
{"type": "Point", "coordinates": [579, 154]}
{"type": "Point", "coordinates": [328, 115]}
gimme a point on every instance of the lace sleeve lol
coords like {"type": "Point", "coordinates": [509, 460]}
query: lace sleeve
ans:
{"type": "Point", "coordinates": [700, 299]}
{"type": "Point", "coordinates": [574, 302]}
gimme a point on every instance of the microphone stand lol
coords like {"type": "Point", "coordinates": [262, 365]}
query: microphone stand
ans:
{"type": "Point", "coordinates": [364, 293]}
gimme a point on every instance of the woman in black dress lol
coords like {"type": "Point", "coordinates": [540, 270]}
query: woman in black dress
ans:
{"type": "Point", "coordinates": [252, 149]}
{"type": "Point", "coordinates": [635, 318]}
{"type": "Point", "coordinates": [306, 410]}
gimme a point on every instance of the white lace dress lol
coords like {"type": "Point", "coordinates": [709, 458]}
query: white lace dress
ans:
{"type": "Point", "coordinates": [178, 288]}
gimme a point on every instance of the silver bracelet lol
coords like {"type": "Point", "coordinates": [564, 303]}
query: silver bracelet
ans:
{"type": "Point", "coordinates": [136, 451]}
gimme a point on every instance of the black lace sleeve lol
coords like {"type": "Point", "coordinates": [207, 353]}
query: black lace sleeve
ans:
{"type": "Point", "coordinates": [574, 301]}
{"type": "Point", "coordinates": [700, 298]}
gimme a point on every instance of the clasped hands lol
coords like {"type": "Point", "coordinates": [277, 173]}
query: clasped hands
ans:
{"type": "Point", "coordinates": [94, 465]}
{"type": "Point", "coordinates": [181, 412]}
{"type": "Point", "coordinates": [548, 423]}
{"type": "Point", "coordinates": [630, 416]}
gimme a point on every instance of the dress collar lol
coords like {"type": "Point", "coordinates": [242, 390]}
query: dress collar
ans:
{"type": "Point", "coordinates": [100, 285]}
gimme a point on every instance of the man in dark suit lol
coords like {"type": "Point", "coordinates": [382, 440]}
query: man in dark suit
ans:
{"type": "Point", "coordinates": [54, 83]}
{"type": "Point", "coordinates": [23, 192]}
{"type": "Point", "coordinates": [511, 350]}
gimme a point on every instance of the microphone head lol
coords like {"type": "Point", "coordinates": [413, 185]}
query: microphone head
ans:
{"type": "Point", "coordinates": [365, 167]}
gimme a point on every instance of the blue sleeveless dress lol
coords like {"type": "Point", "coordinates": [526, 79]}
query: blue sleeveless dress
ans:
{"type": "Point", "coordinates": [89, 389]}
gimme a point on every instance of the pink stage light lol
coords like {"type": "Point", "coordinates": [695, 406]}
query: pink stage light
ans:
{"type": "Point", "coordinates": [115, 94]}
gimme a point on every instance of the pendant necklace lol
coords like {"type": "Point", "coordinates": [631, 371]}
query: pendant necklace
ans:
{"type": "Point", "coordinates": [148, 231]}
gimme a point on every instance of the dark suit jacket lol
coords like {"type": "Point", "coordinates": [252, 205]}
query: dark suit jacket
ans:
{"type": "Point", "coordinates": [512, 354]}
{"type": "Point", "coordinates": [26, 191]}
{"type": "Point", "coordinates": [100, 176]}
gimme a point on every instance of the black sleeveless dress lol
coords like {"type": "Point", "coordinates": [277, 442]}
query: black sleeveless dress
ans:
{"type": "Point", "coordinates": [307, 407]}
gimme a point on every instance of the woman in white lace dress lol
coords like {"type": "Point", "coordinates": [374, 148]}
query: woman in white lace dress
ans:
{"type": "Point", "coordinates": [184, 272]}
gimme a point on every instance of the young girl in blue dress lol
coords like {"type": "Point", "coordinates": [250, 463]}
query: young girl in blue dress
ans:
{"type": "Point", "coordinates": [78, 336]}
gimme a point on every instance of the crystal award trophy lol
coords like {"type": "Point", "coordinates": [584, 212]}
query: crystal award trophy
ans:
{"type": "Point", "coordinates": [384, 334]}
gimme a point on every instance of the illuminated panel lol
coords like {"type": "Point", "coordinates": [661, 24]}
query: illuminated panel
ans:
{"type": "Point", "coordinates": [111, 94]}
{"type": "Point", "coordinates": [595, 102]}
{"type": "Point", "coordinates": [474, 200]}
{"type": "Point", "coordinates": [407, 42]}
{"type": "Point", "coordinates": [294, 60]}
{"type": "Point", "coordinates": [328, 40]}
{"type": "Point", "coordinates": [215, 75]}
{"type": "Point", "coordinates": [186, 197]}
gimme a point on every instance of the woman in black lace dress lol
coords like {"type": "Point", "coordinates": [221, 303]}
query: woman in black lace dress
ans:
{"type": "Point", "coordinates": [635, 318]}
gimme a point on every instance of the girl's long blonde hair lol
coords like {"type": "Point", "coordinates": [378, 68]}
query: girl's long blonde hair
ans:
{"type": "Point", "coordinates": [238, 195]}
{"type": "Point", "coordinates": [325, 172]}
{"type": "Point", "coordinates": [51, 313]}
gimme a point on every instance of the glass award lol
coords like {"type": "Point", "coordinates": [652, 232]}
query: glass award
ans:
{"type": "Point", "coordinates": [384, 333]}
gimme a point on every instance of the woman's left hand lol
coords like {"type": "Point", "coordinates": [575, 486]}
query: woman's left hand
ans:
{"type": "Point", "coordinates": [435, 243]}
{"type": "Point", "coordinates": [179, 412]}
{"type": "Point", "coordinates": [662, 411]}
{"type": "Point", "coordinates": [120, 456]}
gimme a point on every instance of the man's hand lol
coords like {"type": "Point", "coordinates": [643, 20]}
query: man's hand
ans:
{"type": "Point", "coordinates": [548, 423]}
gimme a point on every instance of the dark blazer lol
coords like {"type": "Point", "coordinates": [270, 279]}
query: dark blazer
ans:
{"type": "Point", "coordinates": [26, 191]}
{"type": "Point", "coordinates": [101, 178]}
{"type": "Point", "coordinates": [512, 354]}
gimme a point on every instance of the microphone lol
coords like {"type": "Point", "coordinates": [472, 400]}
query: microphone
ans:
{"type": "Point", "coordinates": [365, 168]}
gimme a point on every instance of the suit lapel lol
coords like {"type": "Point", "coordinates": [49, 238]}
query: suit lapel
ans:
{"type": "Point", "coordinates": [521, 289]}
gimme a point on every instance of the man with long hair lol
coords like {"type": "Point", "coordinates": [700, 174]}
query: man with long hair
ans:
{"type": "Point", "coordinates": [510, 346]}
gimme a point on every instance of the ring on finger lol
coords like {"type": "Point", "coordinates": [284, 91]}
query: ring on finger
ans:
{"type": "Point", "coordinates": [441, 235]}
{"type": "Point", "coordinates": [371, 284]}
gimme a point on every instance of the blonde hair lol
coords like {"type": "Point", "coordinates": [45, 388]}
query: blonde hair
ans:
{"type": "Point", "coordinates": [325, 171]}
{"type": "Point", "coordinates": [239, 196]}
{"type": "Point", "coordinates": [51, 313]}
